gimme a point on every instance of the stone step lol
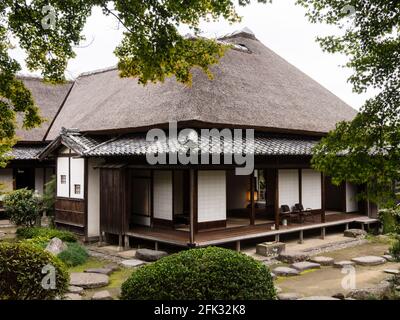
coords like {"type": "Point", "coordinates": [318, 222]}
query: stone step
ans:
{"type": "Point", "coordinates": [132, 263]}
{"type": "Point", "coordinates": [289, 296]}
{"type": "Point", "coordinates": [369, 260]}
{"type": "Point", "coordinates": [286, 272]}
{"type": "Point", "coordinates": [88, 280]}
{"type": "Point", "coordinates": [293, 256]}
{"type": "Point", "coordinates": [343, 263]}
{"type": "Point", "coordinates": [323, 261]}
{"type": "Point", "coordinates": [305, 265]}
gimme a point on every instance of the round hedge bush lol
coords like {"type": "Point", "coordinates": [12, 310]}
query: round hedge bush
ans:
{"type": "Point", "coordinates": [201, 274]}
{"type": "Point", "coordinates": [21, 266]}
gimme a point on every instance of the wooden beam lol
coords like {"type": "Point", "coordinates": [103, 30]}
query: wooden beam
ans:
{"type": "Point", "coordinates": [252, 206]}
{"type": "Point", "coordinates": [276, 202]}
{"type": "Point", "coordinates": [323, 201]}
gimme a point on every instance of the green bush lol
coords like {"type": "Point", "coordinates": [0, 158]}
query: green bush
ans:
{"type": "Point", "coordinates": [211, 273]}
{"type": "Point", "coordinates": [74, 255]}
{"type": "Point", "coordinates": [47, 233]}
{"type": "Point", "coordinates": [390, 219]}
{"type": "Point", "coordinates": [21, 267]}
{"type": "Point", "coordinates": [395, 249]}
{"type": "Point", "coordinates": [22, 207]}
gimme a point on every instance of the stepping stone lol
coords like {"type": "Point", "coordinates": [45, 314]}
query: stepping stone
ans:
{"type": "Point", "coordinates": [292, 257]}
{"type": "Point", "coordinates": [286, 272]}
{"type": "Point", "coordinates": [289, 296]}
{"type": "Point", "coordinates": [278, 289]}
{"type": "Point", "coordinates": [369, 261]}
{"type": "Point", "coordinates": [323, 261]}
{"type": "Point", "coordinates": [100, 270]}
{"type": "Point", "coordinates": [72, 296]}
{"type": "Point", "coordinates": [379, 292]}
{"type": "Point", "coordinates": [149, 255]}
{"type": "Point", "coordinates": [88, 280]}
{"type": "Point", "coordinates": [392, 271]}
{"type": "Point", "coordinates": [112, 267]}
{"type": "Point", "coordinates": [102, 295]}
{"type": "Point", "coordinates": [305, 265]}
{"type": "Point", "coordinates": [344, 263]}
{"type": "Point", "coordinates": [132, 263]}
{"type": "Point", "coordinates": [74, 289]}
{"type": "Point", "coordinates": [355, 233]}
{"type": "Point", "coordinates": [388, 257]}
{"type": "Point", "coordinates": [319, 298]}
{"type": "Point", "coordinates": [273, 275]}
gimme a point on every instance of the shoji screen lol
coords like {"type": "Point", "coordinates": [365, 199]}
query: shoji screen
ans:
{"type": "Point", "coordinates": [311, 193]}
{"type": "Point", "coordinates": [211, 196]}
{"type": "Point", "coordinates": [163, 195]}
{"type": "Point", "coordinates": [288, 187]}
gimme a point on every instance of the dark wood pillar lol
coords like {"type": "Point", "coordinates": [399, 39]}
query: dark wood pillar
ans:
{"type": "Point", "coordinates": [252, 205]}
{"type": "Point", "coordinates": [323, 206]}
{"type": "Point", "coordinates": [276, 201]}
{"type": "Point", "coordinates": [193, 206]}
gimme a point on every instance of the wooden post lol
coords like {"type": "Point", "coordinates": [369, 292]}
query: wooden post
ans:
{"type": "Point", "coordinates": [238, 246]}
{"type": "Point", "coordinates": [323, 232]}
{"type": "Point", "coordinates": [301, 237]}
{"type": "Point", "coordinates": [277, 238]}
{"type": "Point", "coordinates": [120, 246]}
{"type": "Point", "coordinates": [156, 246]}
{"type": "Point", "coordinates": [193, 205]}
{"type": "Point", "coordinates": [126, 242]}
{"type": "Point", "coordinates": [252, 211]}
{"type": "Point", "coordinates": [347, 226]}
{"type": "Point", "coordinates": [276, 202]}
{"type": "Point", "coordinates": [323, 215]}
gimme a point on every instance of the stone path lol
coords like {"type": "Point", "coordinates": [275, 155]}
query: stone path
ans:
{"type": "Point", "coordinates": [343, 263]}
{"type": "Point", "coordinates": [323, 261]}
{"type": "Point", "coordinates": [294, 256]}
{"type": "Point", "coordinates": [305, 265]}
{"type": "Point", "coordinates": [286, 272]}
{"type": "Point", "coordinates": [149, 255]}
{"type": "Point", "coordinates": [102, 295]}
{"type": "Point", "coordinates": [88, 280]}
{"type": "Point", "coordinates": [132, 263]}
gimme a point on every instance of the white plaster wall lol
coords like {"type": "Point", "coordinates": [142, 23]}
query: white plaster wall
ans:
{"type": "Point", "coordinates": [39, 180]}
{"type": "Point", "coordinates": [311, 191]}
{"type": "Point", "coordinates": [351, 200]}
{"type": "Point", "coordinates": [288, 187]}
{"type": "Point", "coordinates": [211, 196]}
{"type": "Point", "coordinates": [163, 195]}
{"type": "Point", "coordinates": [93, 201]}
{"type": "Point", "coordinates": [62, 169]}
{"type": "Point", "coordinates": [77, 177]}
{"type": "Point", "coordinates": [6, 180]}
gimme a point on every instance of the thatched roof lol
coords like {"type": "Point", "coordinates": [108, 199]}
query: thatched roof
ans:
{"type": "Point", "coordinates": [48, 98]}
{"type": "Point", "coordinates": [252, 88]}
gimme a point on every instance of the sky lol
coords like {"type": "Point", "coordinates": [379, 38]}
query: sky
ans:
{"type": "Point", "coordinates": [281, 26]}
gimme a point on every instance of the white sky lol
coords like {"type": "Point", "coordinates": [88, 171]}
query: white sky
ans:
{"type": "Point", "coordinates": [281, 26]}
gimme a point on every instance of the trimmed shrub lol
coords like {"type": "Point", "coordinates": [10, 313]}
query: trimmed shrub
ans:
{"type": "Point", "coordinates": [390, 219]}
{"type": "Point", "coordinates": [45, 233]}
{"type": "Point", "coordinates": [75, 255]}
{"type": "Point", "coordinates": [201, 274]}
{"type": "Point", "coordinates": [21, 267]}
{"type": "Point", "coordinates": [22, 207]}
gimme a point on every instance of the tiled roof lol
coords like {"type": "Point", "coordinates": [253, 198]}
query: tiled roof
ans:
{"type": "Point", "coordinates": [29, 152]}
{"type": "Point", "coordinates": [262, 145]}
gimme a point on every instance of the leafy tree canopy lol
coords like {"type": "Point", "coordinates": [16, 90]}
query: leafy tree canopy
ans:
{"type": "Point", "coordinates": [152, 49]}
{"type": "Point", "coordinates": [369, 146]}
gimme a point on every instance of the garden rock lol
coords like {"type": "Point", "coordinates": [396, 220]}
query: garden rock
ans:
{"type": "Point", "coordinates": [305, 265]}
{"type": "Point", "coordinates": [149, 255]}
{"type": "Point", "coordinates": [88, 280]}
{"type": "Point", "coordinates": [74, 289]}
{"type": "Point", "coordinates": [292, 257]}
{"type": "Point", "coordinates": [388, 257]}
{"type": "Point", "coordinates": [72, 296]}
{"type": "Point", "coordinates": [323, 261]}
{"type": "Point", "coordinates": [273, 275]}
{"type": "Point", "coordinates": [286, 271]}
{"type": "Point", "coordinates": [343, 264]}
{"type": "Point", "coordinates": [56, 246]}
{"type": "Point", "coordinates": [392, 271]}
{"type": "Point", "coordinates": [278, 290]}
{"type": "Point", "coordinates": [369, 260]}
{"type": "Point", "coordinates": [105, 271]}
{"type": "Point", "coordinates": [319, 298]}
{"type": "Point", "coordinates": [289, 296]}
{"type": "Point", "coordinates": [380, 291]}
{"type": "Point", "coordinates": [102, 295]}
{"type": "Point", "coordinates": [132, 263]}
{"type": "Point", "coordinates": [355, 233]}
{"type": "Point", "coordinates": [112, 267]}
{"type": "Point", "coordinates": [339, 296]}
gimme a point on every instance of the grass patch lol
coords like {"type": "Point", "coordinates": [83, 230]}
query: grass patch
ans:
{"type": "Point", "coordinates": [117, 278]}
{"type": "Point", "coordinates": [90, 263]}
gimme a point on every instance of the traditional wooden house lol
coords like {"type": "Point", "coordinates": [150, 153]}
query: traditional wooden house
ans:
{"type": "Point", "coordinates": [25, 170]}
{"type": "Point", "coordinates": [107, 187]}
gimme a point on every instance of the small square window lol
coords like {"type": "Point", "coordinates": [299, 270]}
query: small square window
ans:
{"type": "Point", "coordinates": [77, 189]}
{"type": "Point", "coordinates": [63, 179]}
